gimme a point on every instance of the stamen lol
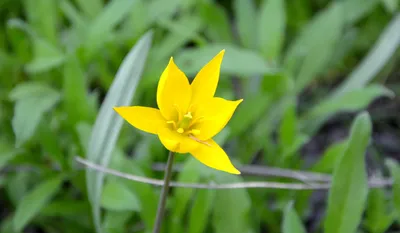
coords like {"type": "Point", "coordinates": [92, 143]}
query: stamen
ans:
{"type": "Point", "coordinates": [180, 130]}
{"type": "Point", "coordinates": [195, 132]}
{"type": "Point", "coordinates": [198, 140]}
{"type": "Point", "coordinates": [196, 120]}
{"type": "Point", "coordinates": [179, 112]}
{"type": "Point", "coordinates": [172, 122]}
{"type": "Point", "coordinates": [188, 115]}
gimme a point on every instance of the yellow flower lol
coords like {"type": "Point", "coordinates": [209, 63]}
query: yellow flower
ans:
{"type": "Point", "coordinates": [189, 115]}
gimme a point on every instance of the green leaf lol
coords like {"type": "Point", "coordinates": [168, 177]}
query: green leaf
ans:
{"type": "Point", "coordinates": [277, 85]}
{"type": "Point", "coordinates": [17, 186]}
{"type": "Point", "coordinates": [271, 24]}
{"type": "Point", "coordinates": [72, 14]}
{"type": "Point", "coordinates": [101, 28]}
{"type": "Point", "coordinates": [66, 208]}
{"type": "Point", "coordinates": [181, 32]}
{"type": "Point", "coordinates": [351, 101]}
{"type": "Point", "coordinates": [291, 221]}
{"type": "Point", "coordinates": [118, 197]}
{"type": "Point", "coordinates": [231, 207]}
{"type": "Point", "coordinates": [43, 17]}
{"type": "Point", "coordinates": [378, 218]}
{"type": "Point", "coordinates": [349, 190]}
{"type": "Point", "coordinates": [6, 154]}
{"type": "Point", "coordinates": [91, 8]}
{"type": "Point", "coordinates": [34, 201]}
{"type": "Point", "coordinates": [163, 10]}
{"type": "Point", "coordinates": [46, 56]}
{"type": "Point", "coordinates": [33, 100]}
{"type": "Point", "coordinates": [246, 18]}
{"type": "Point", "coordinates": [391, 5]}
{"type": "Point", "coordinates": [74, 91]}
{"type": "Point", "coordinates": [288, 128]}
{"type": "Point", "coordinates": [376, 59]}
{"type": "Point", "coordinates": [217, 21]}
{"type": "Point", "coordinates": [108, 124]}
{"type": "Point", "coordinates": [137, 22]}
{"type": "Point", "coordinates": [290, 138]}
{"type": "Point", "coordinates": [312, 49]}
{"type": "Point", "coordinates": [348, 102]}
{"type": "Point", "coordinates": [84, 130]}
{"type": "Point", "coordinates": [395, 173]}
{"type": "Point", "coordinates": [357, 9]}
{"type": "Point", "coordinates": [145, 193]}
{"type": "Point", "coordinates": [115, 222]}
{"type": "Point", "coordinates": [323, 46]}
{"type": "Point", "coordinates": [331, 157]}
{"type": "Point", "coordinates": [249, 112]}
{"type": "Point", "coordinates": [237, 61]}
{"type": "Point", "coordinates": [201, 210]}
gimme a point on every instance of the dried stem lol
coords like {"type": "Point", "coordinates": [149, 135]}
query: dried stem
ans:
{"type": "Point", "coordinates": [373, 183]}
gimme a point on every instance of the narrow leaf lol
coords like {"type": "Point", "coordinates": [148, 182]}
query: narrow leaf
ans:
{"type": "Point", "coordinates": [118, 197]}
{"type": "Point", "coordinates": [331, 157]}
{"type": "Point", "coordinates": [33, 100]}
{"type": "Point", "coordinates": [231, 208]}
{"type": "Point", "coordinates": [315, 43]}
{"type": "Point", "coordinates": [199, 213]}
{"type": "Point", "coordinates": [351, 101]}
{"type": "Point", "coordinates": [376, 59]}
{"type": "Point", "coordinates": [91, 8]}
{"type": "Point", "coordinates": [379, 216]}
{"type": "Point", "coordinates": [74, 91]}
{"type": "Point", "coordinates": [103, 25]}
{"type": "Point", "coordinates": [271, 24]}
{"type": "Point", "coordinates": [237, 61]}
{"type": "Point", "coordinates": [349, 190]}
{"type": "Point", "coordinates": [291, 221]}
{"type": "Point", "coordinates": [46, 56]}
{"type": "Point", "coordinates": [34, 201]}
{"type": "Point", "coordinates": [217, 21]}
{"type": "Point", "coordinates": [108, 124]}
{"type": "Point", "coordinates": [246, 16]}
{"type": "Point", "coordinates": [395, 173]}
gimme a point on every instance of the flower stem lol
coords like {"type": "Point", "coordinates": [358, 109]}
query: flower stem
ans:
{"type": "Point", "coordinates": [164, 193]}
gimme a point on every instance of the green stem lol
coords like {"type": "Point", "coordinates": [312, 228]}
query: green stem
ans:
{"type": "Point", "coordinates": [164, 193]}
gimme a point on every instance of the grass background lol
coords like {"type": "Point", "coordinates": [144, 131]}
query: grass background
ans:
{"type": "Point", "coordinates": [320, 80]}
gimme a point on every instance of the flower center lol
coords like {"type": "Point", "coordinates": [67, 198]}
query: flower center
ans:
{"type": "Point", "coordinates": [184, 125]}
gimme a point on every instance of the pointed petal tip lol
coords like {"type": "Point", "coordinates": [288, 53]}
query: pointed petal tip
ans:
{"type": "Point", "coordinates": [221, 53]}
{"type": "Point", "coordinates": [235, 172]}
{"type": "Point", "coordinates": [116, 108]}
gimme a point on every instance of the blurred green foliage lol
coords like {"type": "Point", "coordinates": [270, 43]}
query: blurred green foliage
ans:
{"type": "Point", "coordinates": [297, 64]}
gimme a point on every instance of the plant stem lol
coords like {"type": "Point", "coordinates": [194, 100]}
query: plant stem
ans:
{"type": "Point", "coordinates": [164, 193]}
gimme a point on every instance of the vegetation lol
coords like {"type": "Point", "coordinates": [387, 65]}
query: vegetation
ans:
{"type": "Point", "coordinates": [320, 83]}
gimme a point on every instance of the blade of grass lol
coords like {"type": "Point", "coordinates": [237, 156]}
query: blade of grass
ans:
{"type": "Point", "coordinates": [107, 126]}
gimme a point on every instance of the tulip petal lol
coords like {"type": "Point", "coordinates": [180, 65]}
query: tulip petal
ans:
{"type": "Point", "coordinates": [206, 81]}
{"type": "Point", "coordinates": [216, 114]}
{"type": "Point", "coordinates": [143, 118]}
{"type": "Point", "coordinates": [173, 92]}
{"type": "Point", "coordinates": [176, 142]}
{"type": "Point", "coordinates": [212, 155]}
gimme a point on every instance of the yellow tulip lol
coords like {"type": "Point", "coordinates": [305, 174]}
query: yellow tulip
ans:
{"type": "Point", "coordinates": [189, 115]}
